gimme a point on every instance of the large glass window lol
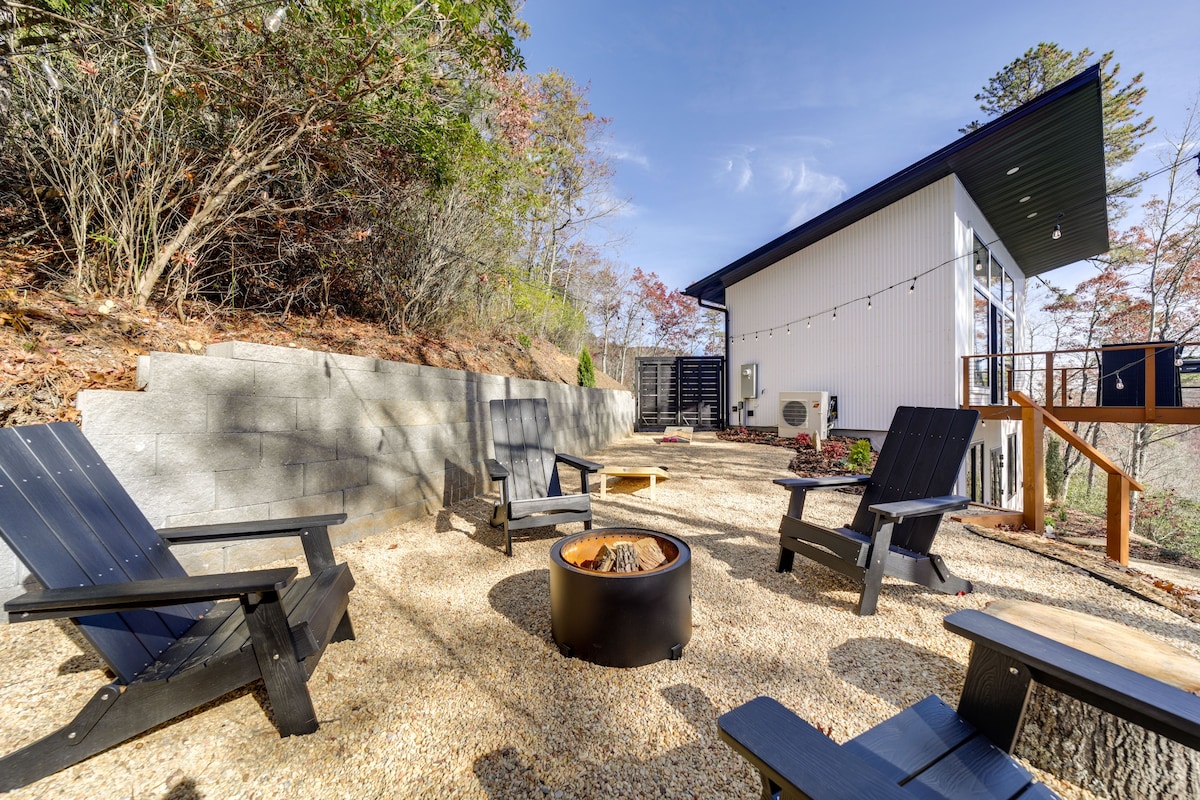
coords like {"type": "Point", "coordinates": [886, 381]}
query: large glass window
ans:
{"type": "Point", "coordinates": [995, 327]}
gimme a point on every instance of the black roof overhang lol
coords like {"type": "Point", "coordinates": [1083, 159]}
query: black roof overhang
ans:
{"type": "Point", "coordinates": [1056, 142]}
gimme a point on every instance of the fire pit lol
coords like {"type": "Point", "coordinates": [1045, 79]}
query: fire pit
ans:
{"type": "Point", "coordinates": [621, 619]}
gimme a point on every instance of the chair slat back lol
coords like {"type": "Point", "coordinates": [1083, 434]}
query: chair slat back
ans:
{"type": "Point", "coordinates": [921, 457]}
{"type": "Point", "coordinates": [69, 520]}
{"type": "Point", "coordinates": [524, 444]}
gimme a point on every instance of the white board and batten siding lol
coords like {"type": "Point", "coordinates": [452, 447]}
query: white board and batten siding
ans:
{"type": "Point", "coordinates": [902, 351]}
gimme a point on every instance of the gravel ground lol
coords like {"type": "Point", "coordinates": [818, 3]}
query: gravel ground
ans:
{"type": "Point", "coordinates": [454, 686]}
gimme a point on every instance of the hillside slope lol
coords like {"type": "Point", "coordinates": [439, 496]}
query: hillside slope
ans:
{"type": "Point", "coordinates": [52, 345]}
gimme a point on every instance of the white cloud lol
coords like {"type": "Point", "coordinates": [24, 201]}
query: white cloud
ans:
{"type": "Point", "coordinates": [787, 173]}
{"type": "Point", "coordinates": [621, 152]}
{"type": "Point", "coordinates": [737, 170]}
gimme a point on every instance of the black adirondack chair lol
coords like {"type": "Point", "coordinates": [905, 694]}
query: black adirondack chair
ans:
{"type": "Point", "coordinates": [903, 502]}
{"type": "Point", "coordinates": [932, 751]}
{"type": "Point", "coordinates": [526, 466]}
{"type": "Point", "coordinates": [170, 644]}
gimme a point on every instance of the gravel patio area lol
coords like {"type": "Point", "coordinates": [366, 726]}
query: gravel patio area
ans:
{"type": "Point", "coordinates": [454, 687]}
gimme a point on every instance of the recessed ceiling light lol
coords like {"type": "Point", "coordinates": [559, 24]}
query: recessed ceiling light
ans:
{"type": "Point", "coordinates": [1012, 171]}
{"type": "Point", "coordinates": [1031, 216]}
{"type": "Point", "coordinates": [1024, 199]}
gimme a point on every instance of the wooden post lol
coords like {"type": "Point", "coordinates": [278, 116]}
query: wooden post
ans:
{"type": "Point", "coordinates": [1033, 466]}
{"type": "Point", "coordinates": [1151, 393]}
{"type": "Point", "coordinates": [1050, 380]}
{"type": "Point", "coordinates": [1117, 546]}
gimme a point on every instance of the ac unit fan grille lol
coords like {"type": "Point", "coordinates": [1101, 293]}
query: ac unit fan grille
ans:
{"type": "Point", "coordinates": [795, 413]}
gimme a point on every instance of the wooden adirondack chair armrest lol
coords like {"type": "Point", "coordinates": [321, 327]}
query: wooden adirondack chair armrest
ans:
{"type": "Point", "coordinates": [255, 529]}
{"type": "Point", "coordinates": [82, 601]}
{"type": "Point", "coordinates": [313, 532]}
{"type": "Point", "coordinates": [827, 482]}
{"type": "Point", "coordinates": [496, 470]}
{"type": "Point", "coordinates": [796, 755]}
{"type": "Point", "coordinates": [920, 508]}
{"type": "Point", "coordinates": [581, 464]}
{"type": "Point", "coordinates": [1144, 701]}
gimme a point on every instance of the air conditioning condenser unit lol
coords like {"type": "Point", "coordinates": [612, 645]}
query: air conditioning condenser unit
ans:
{"type": "Point", "coordinates": [804, 412]}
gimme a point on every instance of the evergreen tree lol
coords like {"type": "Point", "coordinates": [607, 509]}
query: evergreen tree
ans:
{"type": "Point", "coordinates": [587, 372]}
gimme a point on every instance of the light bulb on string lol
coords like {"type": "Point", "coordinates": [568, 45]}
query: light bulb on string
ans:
{"type": "Point", "coordinates": [115, 127]}
{"type": "Point", "coordinates": [51, 79]}
{"type": "Point", "coordinates": [913, 286]}
{"type": "Point", "coordinates": [274, 20]}
{"type": "Point", "coordinates": [1057, 232]}
{"type": "Point", "coordinates": [808, 323]}
{"type": "Point", "coordinates": [771, 335]}
{"type": "Point", "coordinates": [152, 62]}
{"type": "Point", "coordinates": [789, 329]}
{"type": "Point", "coordinates": [869, 306]}
{"type": "Point", "coordinates": [835, 313]}
{"type": "Point", "coordinates": [1120, 383]}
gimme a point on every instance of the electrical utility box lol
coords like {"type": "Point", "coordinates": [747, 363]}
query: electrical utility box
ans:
{"type": "Point", "coordinates": [749, 381]}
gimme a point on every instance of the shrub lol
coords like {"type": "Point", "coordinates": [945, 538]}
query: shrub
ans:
{"type": "Point", "coordinates": [834, 451]}
{"type": "Point", "coordinates": [1055, 469]}
{"type": "Point", "coordinates": [587, 372]}
{"type": "Point", "coordinates": [860, 455]}
{"type": "Point", "coordinates": [524, 341]}
{"type": "Point", "coordinates": [802, 440]}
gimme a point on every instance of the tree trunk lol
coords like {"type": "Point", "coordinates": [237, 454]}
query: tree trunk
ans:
{"type": "Point", "coordinates": [1106, 755]}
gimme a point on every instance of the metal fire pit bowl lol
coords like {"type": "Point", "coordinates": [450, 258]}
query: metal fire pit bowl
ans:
{"type": "Point", "coordinates": [620, 619]}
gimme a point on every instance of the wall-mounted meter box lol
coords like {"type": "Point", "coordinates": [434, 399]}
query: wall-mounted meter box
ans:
{"type": "Point", "coordinates": [749, 381]}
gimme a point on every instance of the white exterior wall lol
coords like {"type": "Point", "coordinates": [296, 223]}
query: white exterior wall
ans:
{"type": "Point", "coordinates": [903, 351]}
{"type": "Point", "coordinates": [968, 223]}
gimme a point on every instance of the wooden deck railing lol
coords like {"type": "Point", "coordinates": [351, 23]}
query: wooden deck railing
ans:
{"type": "Point", "coordinates": [1034, 420]}
{"type": "Point", "coordinates": [1068, 383]}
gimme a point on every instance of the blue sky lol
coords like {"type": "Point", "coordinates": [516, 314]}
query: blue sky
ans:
{"type": "Point", "coordinates": [732, 122]}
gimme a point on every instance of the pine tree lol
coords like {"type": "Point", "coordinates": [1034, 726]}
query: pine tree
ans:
{"type": "Point", "coordinates": [587, 372]}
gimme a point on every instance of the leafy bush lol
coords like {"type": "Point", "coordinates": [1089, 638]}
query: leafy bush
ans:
{"type": "Point", "coordinates": [803, 440]}
{"type": "Point", "coordinates": [587, 372]}
{"type": "Point", "coordinates": [1055, 469]}
{"type": "Point", "coordinates": [860, 455]}
{"type": "Point", "coordinates": [834, 451]}
{"type": "Point", "coordinates": [524, 341]}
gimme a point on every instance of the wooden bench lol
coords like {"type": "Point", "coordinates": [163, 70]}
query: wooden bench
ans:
{"type": "Point", "coordinates": [930, 750]}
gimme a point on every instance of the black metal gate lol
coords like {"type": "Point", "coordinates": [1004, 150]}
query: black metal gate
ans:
{"type": "Point", "coordinates": [684, 390]}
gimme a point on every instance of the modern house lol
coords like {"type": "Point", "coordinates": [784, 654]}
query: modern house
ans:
{"type": "Point", "coordinates": [878, 300]}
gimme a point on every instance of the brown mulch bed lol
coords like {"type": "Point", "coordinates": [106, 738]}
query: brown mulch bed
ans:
{"type": "Point", "coordinates": [808, 461]}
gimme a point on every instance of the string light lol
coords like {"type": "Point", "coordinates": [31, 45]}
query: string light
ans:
{"type": "Point", "coordinates": [869, 306]}
{"type": "Point", "coordinates": [913, 286]}
{"type": "Point", "coordinates": [274, 20]}
{"type": "Point", "coordinates": [835, 313]}
{"type": "Point", "coordinates": [1120, 383]}
{"type": "Point", "coordinates": [152, 62]}
{"type": "Point", "coordinates": [51, 79]}
{"type": "Point", "coordinates": [1057, 232]}
{"type": "Point", "coordinates": [809, 323]}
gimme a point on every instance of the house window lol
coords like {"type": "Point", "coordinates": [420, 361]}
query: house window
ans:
{"type": "Point", "coordinates": [995, 328]}
{"type": "Point", "coordinates": [1010, 456]}
{"type": "Point", "coordinates": [975, 473]}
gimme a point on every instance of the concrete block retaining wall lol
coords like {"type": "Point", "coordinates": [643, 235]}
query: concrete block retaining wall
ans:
{"type": "Point", "coordinates": [251, 431]}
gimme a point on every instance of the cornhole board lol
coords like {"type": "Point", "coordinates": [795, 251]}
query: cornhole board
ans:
{"type": "Point", "coordinates": [677, 435]}
{"type": "Point", "coordinates": [653, 473]}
